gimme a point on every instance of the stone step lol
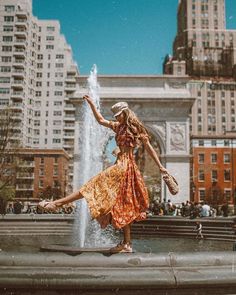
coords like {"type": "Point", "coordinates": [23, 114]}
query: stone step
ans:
{"type": "Point", "coordinates": [148, 226]}
{"type": "Point", "coordinates": [181, 234]}
{"type": "Point", "coordinates": [35, 227]}
{"type": "Point", "coordinates": [34, 230]}
{"type": "Point", "coordinates": [180, 230]}
{"type": "Point", "coordinates": [154, 227]}
{"type": "Point", "coordinates": [35, 223]}
{"type": "Point", "coordinates": [185, 232]}
{"type": "Point", "coordinates": [31, 234]}
{"type": "Point", "coordinates": [184, 221]}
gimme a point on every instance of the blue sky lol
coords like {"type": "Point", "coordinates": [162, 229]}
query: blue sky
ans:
{"type": "Point", "coordinates": [120, 36]}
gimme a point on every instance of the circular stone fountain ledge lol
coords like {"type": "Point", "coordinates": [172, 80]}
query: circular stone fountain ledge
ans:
{"type": "Point", "coordinates": [94, 273]}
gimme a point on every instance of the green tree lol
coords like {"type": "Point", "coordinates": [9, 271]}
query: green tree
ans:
{"type": "Point", "coordinates": [9, 153]}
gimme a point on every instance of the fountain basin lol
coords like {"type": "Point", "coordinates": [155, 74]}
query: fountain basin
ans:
{"type": "Point", "coordinates": [94, 273]}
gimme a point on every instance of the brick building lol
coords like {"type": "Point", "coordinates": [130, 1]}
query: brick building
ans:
{"type": "Point", "coordinates": [41, 170]}
{"type": "Point", "coordinates": [213, 169]}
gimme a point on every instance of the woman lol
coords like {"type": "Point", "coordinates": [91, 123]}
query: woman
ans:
{"type": "Point", "coordinates": [117, 195]}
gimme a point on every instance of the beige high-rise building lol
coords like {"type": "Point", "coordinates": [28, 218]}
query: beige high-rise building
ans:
{"type": "Point", "coordinates": [37, 77]}
{"type": "Point", "coordinates": [206, 51]}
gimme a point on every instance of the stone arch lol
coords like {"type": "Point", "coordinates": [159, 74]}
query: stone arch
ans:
{"type": "Point", "coordinates": [155, 130]}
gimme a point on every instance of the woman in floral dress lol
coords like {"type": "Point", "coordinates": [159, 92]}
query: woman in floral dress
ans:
{"type": "Point", "coordinates": [117, 195]}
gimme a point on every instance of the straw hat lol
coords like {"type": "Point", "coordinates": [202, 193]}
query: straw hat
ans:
{"type": "Point", "coordinates": [119, 107]}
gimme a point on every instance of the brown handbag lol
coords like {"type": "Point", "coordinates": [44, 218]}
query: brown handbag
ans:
{"type": "Point", "coordinates": [171, 183]}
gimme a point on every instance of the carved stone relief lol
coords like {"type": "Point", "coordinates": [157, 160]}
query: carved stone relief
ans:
{"type": "Point", "coordinates": [177, 137]}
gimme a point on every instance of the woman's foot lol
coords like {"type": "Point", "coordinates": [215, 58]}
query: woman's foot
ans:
{"type": "Point", "coordinates": [48, 206]}
{"type": "Point", "coordinates": [122, 248]}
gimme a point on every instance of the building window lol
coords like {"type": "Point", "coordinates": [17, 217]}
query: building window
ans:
{"type": "Point", "coordinates": [55, 171]}
{"type": "Point", "coordinates": [7, 49]}
{"type": "Point", "coordinates": [56, 123]}
{"type": "Point", "coordinates": [59, 65]}
{"type": "Point", "coordinates": [50, 38]}
{"type": "Point", "coordinates": [4, 90]}
{"type": "Point", "coordinates": [7, 39]}
{"type": "Point", "coordinates": [5, 69]}
{"type": "Point", "coordinates": [58, 93]}
{"type": "Point", "coordinates": [201, 142]}
{"type": "Point", "coordinates": [214, 175]}
{"type": "Point", "coordinates": [226, 158]}
{"type": "Point", "coordinates": [41, 171]}
{"type": "Point", "coordinates": [9, 8]}
{"type": "Point", "coordinates": [50, 29]}
{"type": "Point", "coordinates": [9, 19]}
{"type": "Point", "coordinates": [7, 28]}
{"type": "Point", "coordinates": [57, 113]}
{"type": "Point", "coordinates": [56, 140]}
{"type": "Point", "coordinates": [201, 158]}
{"type": "Point", "coordinates": [57, 103]}
{"type": "Point", "coordinates": [201, 175]}
{"type": "Point", "coordinates": [56, 184]}
{"type": "Point", "coordinates": [58, 83]}
{"type": "Point", "coordinates": [41, 183]}
{"type": "Point", "coordinates": [42, 161]}
{"type": "Point", "coordinates": [213, 141]}
{"type": "Point", "coordinates": [213, 158]}
{"type": "Point", "coordinates": [37, 113]}
{"type": "Point", "coordinates": [59, 56]}
{"type": "Point", "coordinates": [226, 142]}
{"type": "Point", "coordinates": [5, 80]}
{"type": "Point", "coordinates": [227, 175]}
{"type": "Point", "coordinates": [49, 46]}
{"type": "Point", "coordinates": [6, 58]}
{"type": "Point", "coordinates": [202, 194]}
{"type": "Point", "coordinates": [227, 193]}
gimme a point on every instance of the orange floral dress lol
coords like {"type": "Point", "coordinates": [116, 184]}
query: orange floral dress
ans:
{"type": "Point", "coordinates": [118, 195]}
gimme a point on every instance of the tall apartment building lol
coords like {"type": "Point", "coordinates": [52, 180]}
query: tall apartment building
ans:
{"type": "Point", "coordinates": [206, 51]}
{"type": "Point", "coordinates": [37, 77]}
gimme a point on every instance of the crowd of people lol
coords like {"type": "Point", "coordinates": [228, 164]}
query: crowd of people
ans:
{"type": "Point", "coordinates": [187, 209]}
{"type": "Point", "coordinates": [19, 207]}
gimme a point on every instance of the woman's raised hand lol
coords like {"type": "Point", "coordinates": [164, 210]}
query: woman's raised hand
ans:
{"type": "Point", "coordinates": [87, 98]}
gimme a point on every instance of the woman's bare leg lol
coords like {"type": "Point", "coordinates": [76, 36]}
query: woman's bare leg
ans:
{"type": "Point", "coordinates": [127, 236]}
{"type": "Point", "coordinates": [68, 199]}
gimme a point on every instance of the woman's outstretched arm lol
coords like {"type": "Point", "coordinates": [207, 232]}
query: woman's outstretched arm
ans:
{"type": "Point", "coordinates": [153, 154]}
{"type": "Point", "coordinates": [96, 113]}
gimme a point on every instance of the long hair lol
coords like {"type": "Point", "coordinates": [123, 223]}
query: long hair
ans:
{"type": "Point", "coordinates": [135, 128]}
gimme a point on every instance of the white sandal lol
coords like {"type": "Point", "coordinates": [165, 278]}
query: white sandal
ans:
{"type": "Point", "coordinates": [122, 248]}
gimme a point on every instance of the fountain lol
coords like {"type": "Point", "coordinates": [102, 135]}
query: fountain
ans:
{"type": "Point", "coordinates": [91, 142]}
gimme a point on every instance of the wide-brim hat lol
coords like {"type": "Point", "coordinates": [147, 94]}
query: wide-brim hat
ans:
{"type": "Point", "coordinates": [119, 107]}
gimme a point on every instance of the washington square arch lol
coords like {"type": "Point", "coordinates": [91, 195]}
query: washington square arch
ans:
{"type": "Point", "coordinates": [163, 103]}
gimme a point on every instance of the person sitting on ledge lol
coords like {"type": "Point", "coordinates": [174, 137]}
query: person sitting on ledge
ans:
{"type": "Point", "coordinates": [117, 195]}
